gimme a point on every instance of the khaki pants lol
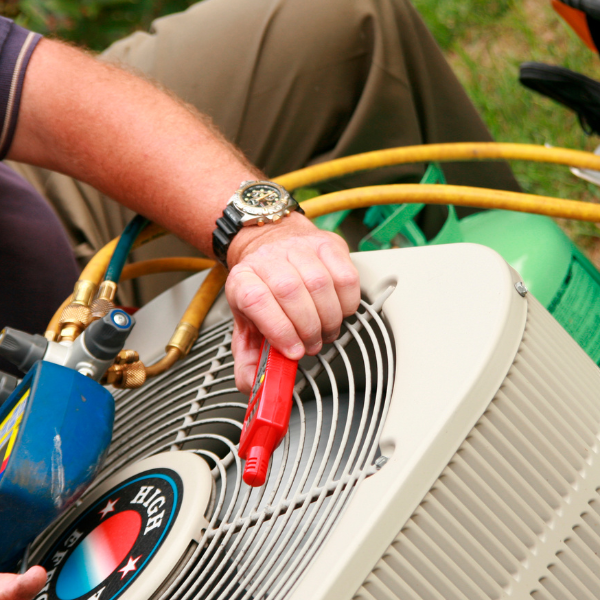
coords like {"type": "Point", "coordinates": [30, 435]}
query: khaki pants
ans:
{"type": "Point", "coordinates": [291, 82]}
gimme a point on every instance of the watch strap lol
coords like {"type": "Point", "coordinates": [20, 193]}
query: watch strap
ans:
{"type": "Point", "coordinates": [227, 226]}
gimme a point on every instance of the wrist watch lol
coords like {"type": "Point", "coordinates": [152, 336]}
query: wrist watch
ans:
{"type": "Point", "coordinates": [254, 203]}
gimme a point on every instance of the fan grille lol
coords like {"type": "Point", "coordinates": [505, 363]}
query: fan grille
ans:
{"type": "Point", "coordinates": [260, 540]}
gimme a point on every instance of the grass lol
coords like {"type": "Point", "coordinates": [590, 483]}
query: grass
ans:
{"type": "Point", "coordinates": [485, 42]}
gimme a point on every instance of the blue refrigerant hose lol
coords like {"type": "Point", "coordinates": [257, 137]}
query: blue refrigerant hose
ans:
{"type": "Point", "coordinates": [126, 241]}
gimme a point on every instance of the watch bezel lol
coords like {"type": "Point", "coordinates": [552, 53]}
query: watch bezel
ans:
{"type": "Point", "coordinates": [252, 212]}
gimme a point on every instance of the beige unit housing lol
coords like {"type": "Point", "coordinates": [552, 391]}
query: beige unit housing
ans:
{"type": "Point", "coordinates": [446, 448]}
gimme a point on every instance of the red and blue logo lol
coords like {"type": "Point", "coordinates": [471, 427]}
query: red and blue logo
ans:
{"type": "Point", "coordinates": [110, 545]}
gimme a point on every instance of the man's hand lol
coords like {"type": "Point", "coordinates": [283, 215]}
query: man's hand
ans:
{"type": "Point", "coordinates": [290, 283]}
{"type": "Point", "coordinates": [22, 587]}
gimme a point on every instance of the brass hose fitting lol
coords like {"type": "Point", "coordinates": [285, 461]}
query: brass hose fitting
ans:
{"type": "Point", "coordinates": [127, 376]}
{"type": "Point", "coordinates": [74, 319]}
{"type": "Point", "coordinates": [77, 315]}
{"type": "Point", "coordinates": [186, 332]}
{"type": "Point", "coordinates": [83, 292]}
{"type": "Point", "coordinates": [103, 303]}
{"type": "Point", "coordinates": [183, 338]}
{"type": "Point", "coordinates": [179, 345]}
{"type": "Point", "coordinates": [53, 330]}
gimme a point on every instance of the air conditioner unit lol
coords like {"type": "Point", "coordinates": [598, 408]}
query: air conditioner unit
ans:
{"type": "Point", "coordinates": [446, 447]}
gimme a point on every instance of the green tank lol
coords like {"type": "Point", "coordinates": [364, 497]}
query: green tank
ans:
{"type": "Point", "coordinates": [552, 268]}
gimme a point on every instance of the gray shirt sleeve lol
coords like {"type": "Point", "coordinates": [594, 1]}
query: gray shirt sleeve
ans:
{"type": "Point", "coordinates": [16, 47]}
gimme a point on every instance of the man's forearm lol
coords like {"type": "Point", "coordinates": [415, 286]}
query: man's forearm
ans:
{"type": "Point", "coordinates": [128, 139]}
{"type": "Point", "coordinates": [289, 282]}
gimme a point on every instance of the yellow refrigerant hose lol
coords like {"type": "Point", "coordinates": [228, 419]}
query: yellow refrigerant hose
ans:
{"type": "Point", "coordinates": [186, 332]}
{"type": "Point", "coordinates": [165, 265]}
{"type": "Point", "coordinates": [369, 196]}
{"type": "Point", "coordinates": [383, 194]}
{"type": "Point", "coordinates": [450, 194]}
{"type": "Point", "coordinates": [464, 151]}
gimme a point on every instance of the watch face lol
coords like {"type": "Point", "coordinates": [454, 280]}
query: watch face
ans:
{"type": "Point", "coordinates": [261, 199]}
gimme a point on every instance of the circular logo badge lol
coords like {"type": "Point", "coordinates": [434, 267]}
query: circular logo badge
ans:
{"type": "Point", "coordinates": [104, 550]}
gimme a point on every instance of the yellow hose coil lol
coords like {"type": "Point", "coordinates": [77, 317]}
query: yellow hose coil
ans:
{"type": "Point", "coordinates": [465, 151]}
{"type": "Point", "coordinates": [450, 194]}
{"type": "Point", "coordinates": [369, 196]}
{"type": "Point", "coordinates": [165, 265]}
{"type": "Point", "coordinates": [186, 332]}
{"type": "Point", "coordinates": [205, 296]}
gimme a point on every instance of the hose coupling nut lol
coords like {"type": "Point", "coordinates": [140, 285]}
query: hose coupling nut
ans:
{"type": "Point", "coordinates": [103, 303]}
{"type": "Point", "coordinates": [73, 320]}
{"type": "Point", "coordinates": [183, 338]}
{"type": "Point", "coordinates": [99, 308]}
{"type": "Point", "coordinates": [127, 376]}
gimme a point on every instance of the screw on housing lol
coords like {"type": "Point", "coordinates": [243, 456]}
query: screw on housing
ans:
{"type": "Point", "coordinates": [520, 287]}
{"type": "Point", "coordinates": [380, 462]}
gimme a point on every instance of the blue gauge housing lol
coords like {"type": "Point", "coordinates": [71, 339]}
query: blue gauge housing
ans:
{"type": "Point", "coordinates": [55, 429]}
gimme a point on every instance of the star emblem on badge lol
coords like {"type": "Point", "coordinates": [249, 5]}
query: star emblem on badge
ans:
{"type": "Point", "coordinates": [130, 566]}
{"type": "Point", "coordinates": [110, 507]}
